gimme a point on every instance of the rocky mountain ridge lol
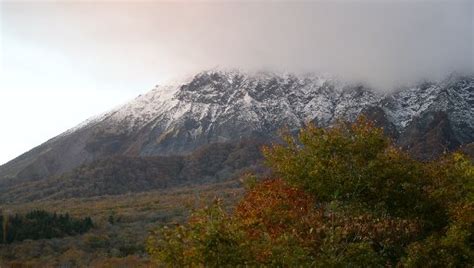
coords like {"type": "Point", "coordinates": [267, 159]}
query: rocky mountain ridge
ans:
{"type": "Point", "coordinates": [227, 106]}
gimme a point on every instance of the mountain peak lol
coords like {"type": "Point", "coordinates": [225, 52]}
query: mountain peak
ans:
{"type": "Point", "coordinates": [227, 105]}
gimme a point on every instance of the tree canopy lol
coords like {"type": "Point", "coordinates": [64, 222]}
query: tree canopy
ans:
{"type": "Point", "coordinates": [339, 196]}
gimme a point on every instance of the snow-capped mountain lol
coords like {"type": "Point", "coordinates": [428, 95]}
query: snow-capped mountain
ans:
{"type": "Point", "coordinates": [226, 106]}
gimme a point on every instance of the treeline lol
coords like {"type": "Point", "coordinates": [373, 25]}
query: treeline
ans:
{"type": "Point", "coordinates": [39, 224]}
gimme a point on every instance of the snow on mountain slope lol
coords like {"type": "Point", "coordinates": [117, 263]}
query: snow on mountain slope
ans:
{"type": "Point", "coordinates": [261, 100]}
{"type": "Point", "coordinates": [408, 103]}
{"type": "Point", "coordinates": [219, 106]}
{"type": "Point", "coordinates": [455, 96]}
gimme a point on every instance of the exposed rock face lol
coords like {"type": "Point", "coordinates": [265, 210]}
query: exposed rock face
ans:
{"type": "Point", "coordinates": [379, 117]}
{"type": "Point", "coordinates": [429, 136]}
{"type": "Point", "coordinates": [227, 106]}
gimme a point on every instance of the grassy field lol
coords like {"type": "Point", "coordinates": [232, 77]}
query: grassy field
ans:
{"type": "Point", "coordinates": [122, 224]}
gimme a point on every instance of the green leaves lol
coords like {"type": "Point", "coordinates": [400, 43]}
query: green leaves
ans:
{"type": "Point", "coordinates": [350, 162]}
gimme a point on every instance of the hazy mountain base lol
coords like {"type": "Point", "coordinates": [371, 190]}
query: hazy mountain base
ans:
{"type": "Point", "coordinates": [426, 138]}
{"type": "Point", "coordinates": [122, 224]}
{"type": "Point", "coordinates": [117, 175]}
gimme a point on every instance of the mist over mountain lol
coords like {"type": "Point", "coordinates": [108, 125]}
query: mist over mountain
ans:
{"type": "Point", "coordinates": [105, 53]}
{"type": "Point", "coordinates": [384, 43]}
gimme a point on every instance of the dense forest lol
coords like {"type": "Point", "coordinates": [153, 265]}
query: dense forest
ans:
{"type": "Point", "coordinates": [338, 197]}
{"type": "Point", "coordinates": [39, 224]}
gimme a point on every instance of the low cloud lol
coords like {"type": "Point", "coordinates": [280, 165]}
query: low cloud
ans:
{"type": "Point", "coordinates": [383, 43]}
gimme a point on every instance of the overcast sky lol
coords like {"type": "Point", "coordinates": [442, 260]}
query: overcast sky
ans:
{"type": "Point", "coordinates": [64, 61]}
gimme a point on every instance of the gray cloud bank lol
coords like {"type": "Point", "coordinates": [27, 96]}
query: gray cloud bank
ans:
{"type": "Point", "coordinates": [384, 43]}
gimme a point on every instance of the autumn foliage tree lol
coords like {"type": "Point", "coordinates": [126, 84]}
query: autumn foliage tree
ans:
{"type": "Point", "coordinates": [278, 221]}
{"type": "Point", "coordinates": [346, 196]}
{"type": "Point", "coordinates": [354, 164]}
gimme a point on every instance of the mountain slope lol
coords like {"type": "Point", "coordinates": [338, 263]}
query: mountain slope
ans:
{"type": "Point", "coordinates": [212, 163]}
{"type": "Point", "coordinates": [227, 106]}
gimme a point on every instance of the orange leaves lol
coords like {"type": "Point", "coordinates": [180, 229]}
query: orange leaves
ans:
{"type": "Point", "coordinates": [274, 207]}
